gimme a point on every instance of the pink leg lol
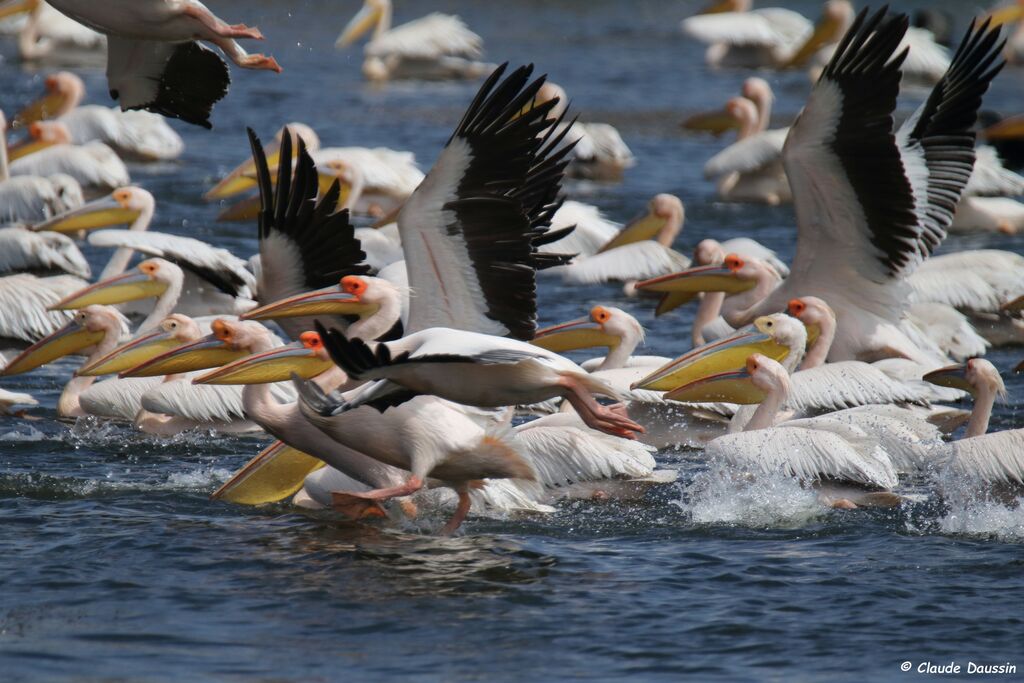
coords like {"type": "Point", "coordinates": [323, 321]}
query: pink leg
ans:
{"type": "Point", "coordinates": [243, 59]}
{"type": "Point", "coordinates": [217, 27]}
{"type": "Point", "coordinates": [461, 510]}
{"type": "Point", "coordinates": [359, 503]}
{"type": "Point", "coordinates": [609, 420]}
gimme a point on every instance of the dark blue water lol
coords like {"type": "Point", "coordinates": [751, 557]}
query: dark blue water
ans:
{"type": "Point", "coordinates": [115, 566]}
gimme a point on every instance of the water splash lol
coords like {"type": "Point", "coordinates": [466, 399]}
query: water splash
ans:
{"type": "Point", "coordinates": [722, 495]}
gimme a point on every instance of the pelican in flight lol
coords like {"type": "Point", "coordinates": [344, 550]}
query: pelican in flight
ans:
{"type": "Point", "coordinates": [155, 60]}
{"type": "Point", "coordinates": [435, 47]}
{"type": "Point", "coordinates": [860, 237]}
{"type": "Point", "coordinates": [137, 135]}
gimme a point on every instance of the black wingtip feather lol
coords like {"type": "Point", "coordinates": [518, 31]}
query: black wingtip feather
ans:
{"type": "Point", "coordinates": [509, 193]}
{"type": "Point", "coordinates": [324, 237]}
{"type": "Point", "coordinates": [194, 79]}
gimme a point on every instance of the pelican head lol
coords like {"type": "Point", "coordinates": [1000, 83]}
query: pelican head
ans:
{"type": "Point", "coordinates": [346, 175]}
{"type": "Point", "coordinates": [733, 275]}
{"type": "Point", "coordinates": [976, 376]}
{"type": "Point", "coordinates": [708, 252]}
{"type": "Point", "coordinates": [747, 384]}
{"type": "Point", "coordinates": [816, 315]}
{"type": "Point", "coordinates": [89, 327]}
{"type": "Point", "coordinates": [355, 295]}
{"type": "Point", "coordinates": [41, 134]}
{"type": "Point", "coordinates": [305, 358]}
{"type": "Point", "coordinates": [375, 14]}
{"type": "Point", "coordinates": [151, 278]}
{"type": "Point", "coordinates": [123, 206]}
{"type": "Point", "coordinates": [605, 326]}
{"type": "Point", "coordinates": [173, 331]}
{"type": "Point", "coordinates": [777, 336]}
{"type": "Point", "coordinates": [63, 92]}
{"type": "Point", "coordinates": [243, 177]}
{"type": "Point", "coordinates": [836, 19]}
{"type": "Point", "coordinates": [230, 340]}
{"type": "Point", "coordinates": [662, 223]}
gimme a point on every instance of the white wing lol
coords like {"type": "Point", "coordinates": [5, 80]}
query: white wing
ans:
{"type": "Point", "coordinates": [803, 453]}
{"type": "Point", "coordinates": [600, 143]}
{"type": "Point", "coordinates": [218, 266]}
{"type": "Point", "coordinates": [846, 384]}
{"type": "Point", "coordinates": [31, 199]}
{"type": "Point", "coordinates": [592, 231]}
{"type": "Point", "coordinates": [905, 436]}
{"type": "Point", "coordinates": [564, 451]}
{"type": "Point", "coordinates": [636, 261]}
{"type": "Point", "coordinates": [429, 37]}
{"type": "Point", "coordinates": [116, 398]}
{"type": "Point", "coordinates": [9, 399]}
{"type": "Point", "coordinates": [927, 59]}
{"type": "Point", "coordinates": [469, 229]}
{"type": "Point", "coordinates": [177, 79]}
{"type": "Point", "coordinates": [948, 328]}
{"type": "Point", "coordinates": [93, 165]}
{"type": "Point", "coordinates": [24, 300]}
{"type": "Point", "coordinates": [139, 133]}
{"type": "Point", "coordinates": [769, 27]}
{"type": "Point", "coordinates": [977, 280]}
{"type": "Point", "coordinates": [991, 458]}
{"type": "Point", "coordinates": [381, 251]}
{"type": "Point", "coordinates": [748, 155]}
{"type": "Point", "coordinates": [22, 249]}
{"type": "Point", "coordinates": [384, 170]}
{"type": "Point", "coordinates": [990, 178]}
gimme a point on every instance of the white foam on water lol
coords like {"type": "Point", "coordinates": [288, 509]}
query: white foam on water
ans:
{"type": "Point", "coordinates": [726, 496]}
{"type": "Point", "coordinates": [29, 433]}
{"type": "Point", "coordinates": [985, 518]}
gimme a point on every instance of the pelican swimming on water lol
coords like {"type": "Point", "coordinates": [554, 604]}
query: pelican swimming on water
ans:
{"type": "Point", "coordinates": [138, 135]}
{"type": "Point", "coordinates": [32, 198]}
{"type": "Point", "coordinates": [985, 463]}
{"type": "Point", "coordinates": [435, 47]}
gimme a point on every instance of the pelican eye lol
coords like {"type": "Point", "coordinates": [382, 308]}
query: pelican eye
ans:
{"type": "Point", "coordinates": [353, 285]}
{"type": "Point", "coordinates": [310, 340]}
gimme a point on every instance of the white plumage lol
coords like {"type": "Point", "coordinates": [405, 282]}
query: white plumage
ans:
{"type": "Point", "coordinates": [22, 249]}
{"type": "Point", "coordinates": [24, 300]}
{"type": "Point", "coordinates": [95, 166]}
